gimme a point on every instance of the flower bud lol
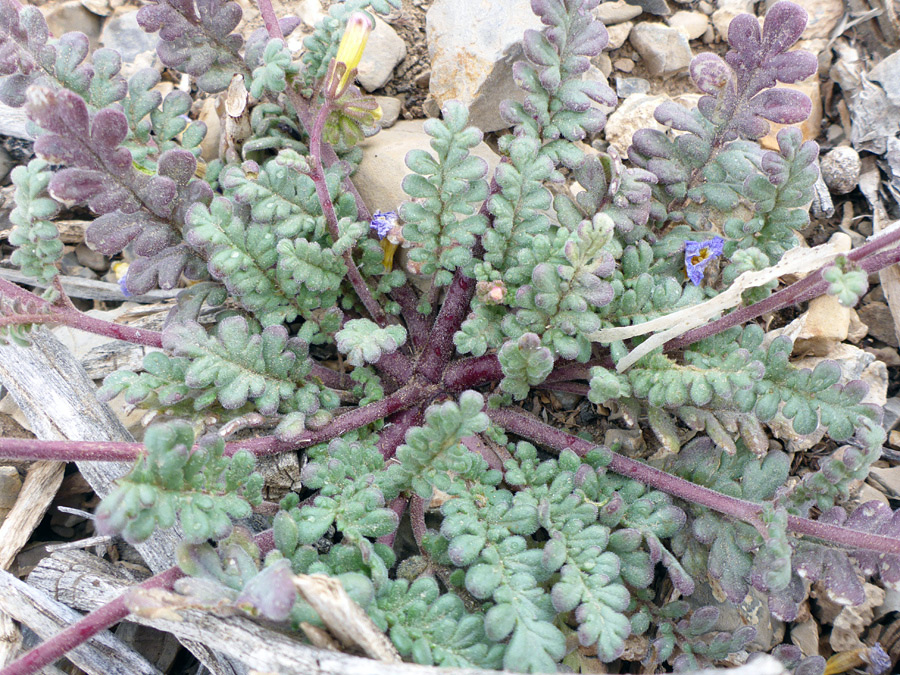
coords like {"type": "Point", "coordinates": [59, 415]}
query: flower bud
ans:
{"type": "Point", "coordinates": [350, 51]}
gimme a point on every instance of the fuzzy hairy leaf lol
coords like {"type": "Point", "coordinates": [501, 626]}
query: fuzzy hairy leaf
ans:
{"type": "Point", "coordinates": [198, 486]}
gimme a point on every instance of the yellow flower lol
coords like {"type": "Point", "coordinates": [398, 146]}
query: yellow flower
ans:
{"type": "Point", "coordinates": [350, 51]}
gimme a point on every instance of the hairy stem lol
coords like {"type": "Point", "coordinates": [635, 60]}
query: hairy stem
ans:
{"type": "Point", "coordinates": [103, 618]}
{"type": "Point", "coordinates": [440, 348]}
{"type": "Point", "coordinates": [317, 174]}
{"type": "Point", "coordinates": [270, 19]}
{"type": "Point", "coordinates": [41, 311]}
{"type": "Point", "coordinates": [472, 372]}
{"type": "Point", "coordinates": [806, 289]}
{"type": "Point", "coordinates": [527, 426]}
{"type": "Point", "coordinates": [110, 451]}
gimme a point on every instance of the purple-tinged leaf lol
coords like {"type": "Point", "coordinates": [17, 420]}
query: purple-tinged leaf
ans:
{"type": "Point", "coordinates": [784, 24]}
{"type": "Point", "coordinates": [711, 74]}
{"type": "Point", "coordinates": [270, 594]}
{"type": "Point", "coordinates": [793, 66]}
{"type": "Point", "coordinates": [163, 270]}
{"type": "Point", "coordinates": [744, 34]}
{"type": "Point", "coordinates": [782, 106]}
{"type": "Point", "coordinates": [197, 39]}
{"type": "Point", "coordinates": [60, 112]}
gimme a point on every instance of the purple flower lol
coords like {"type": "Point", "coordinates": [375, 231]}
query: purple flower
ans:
{"type": "Point", "coordinates": [383, 222]}
{"type": "Point", "coordinates": [879, 660]}
{"type": "Point", "coordinates": [123, 287]}
{"type": "Point", "coordinates": [697, 255]}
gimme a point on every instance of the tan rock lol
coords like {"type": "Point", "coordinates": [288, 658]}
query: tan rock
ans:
{"type": "Point", "coordinates": [694, 24]}
{"type": "Point", "coordinates": [827, 322]}
{"type": "Point", "coordinates": [636, 112]}
{"type": "Point", "coordinates": [383, 168]}
{"type": "Point", "coordinates": [74, 16]}
{"type": "Point", "coordinates": [618, 34]}
{"type": "Point", "coordinates": [10, 484]}
{"type": "Point", "coordinates": [473, 46]}
{"type": "Point", "coordinates": [663, 49]}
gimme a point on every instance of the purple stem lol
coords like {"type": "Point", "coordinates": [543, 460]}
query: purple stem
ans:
{"type": "Point", "coordinates": [807, 288]}
{"type": "Point", "coordinates": [417, 519]}
{"type": "Point", "coordinates": [527, 426]}
{"type": "Point", "coordinates": [416, 324]}
{"type": "Point", "coordinates": [477, 445]}
{"type": "Point", "coordinates": [330, 378]}
{"type": "Point", "coordinates": [102, 618]}
{"type": "Point", "coordinates": [318, 176]}
{"type": "Point", "coordinates": [270, 19]}
{"type": "Point", "coordinates": [41, 311]}
{"type": "Point", "coordinates": [393, 435]}
{"type": "Point", "coordinates": [398, 506]}
{"type": "Point", "coordinates": [472, 372]}
{"type": "Point", "coordinates": [111, 451]}
{"type": "Point", "coordinates": [439, 349]}
{"type": "Point", "coordinates": [569, 387]}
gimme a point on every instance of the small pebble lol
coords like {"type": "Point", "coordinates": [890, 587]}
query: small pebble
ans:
{"type": "Point", "coordinates": [840, 169]}
{"type": "Point", "coordinates": [604, 63]}
{"type": "Point", "coordinates": [626, 86]}
{"type": "Point", "coordinates": [618, 34]}
{"type": "Point", "coordinates": [693, 23]}
{"type": "Point", "coordinates": [390, 110]}
{"type": "Point", "coordinates": [624, 65]}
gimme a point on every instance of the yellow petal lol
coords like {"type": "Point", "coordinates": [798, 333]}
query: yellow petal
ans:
{"type": "Point", "coordinates": [353, 43]}
{"type": "Point", "coordinates": [389, 250]}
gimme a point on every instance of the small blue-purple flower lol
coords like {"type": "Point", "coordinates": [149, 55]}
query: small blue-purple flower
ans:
{"type": "Point", "coordinates": [383, 222]}
{"type": "Point", "coordinates": [697, 255]}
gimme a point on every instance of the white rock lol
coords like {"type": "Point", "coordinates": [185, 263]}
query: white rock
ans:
{"type": "Point", "coordinates": [611, 13]}
{"type": "Point", "coordinates": [840, 169]}
{"type": "Point", "coordinates": [618, 34]}
{"type": "Point", "coordinates": [384, 50]}
{"type": "Point", "coordinates": [473, 46]}
{"type": "Point", "coordinates": [390, 110]}
{"type": "Point", "coordinates": [739, 5]}
{"type": "Point", "coordinates": [308, 11]}
{"type": "Point", "coordinates": [664, 50]}
{"type": "Point", "coordinates": [73, 16]}
{"type": "Point", "coordinates": [635, 112]}
{"type": "Point", "coordinates": [693, 23]}
{"type": "Point", "coordinates": [382, 169]}
{"type": "Point", "coordinates": [887, 74]}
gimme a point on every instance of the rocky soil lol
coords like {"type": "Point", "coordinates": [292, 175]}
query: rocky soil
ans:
{"type": "Point", "coordinates": [431, 51]}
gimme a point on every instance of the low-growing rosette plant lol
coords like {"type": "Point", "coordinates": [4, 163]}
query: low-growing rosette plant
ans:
{"type": "Point", "coordinates": [394, 350]}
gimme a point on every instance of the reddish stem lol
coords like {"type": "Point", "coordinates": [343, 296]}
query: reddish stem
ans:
{"type": "Point", "coordinates": [472, 372]}
{"type": "Point", "coordinates": [568, 387]}
{"type": "Point", "coordinates": [270, 19]}
{"type": "Point", "coordinates": [417, 520]}
{"type": "Point", "coordinates": [330, 378]}
{"type": "Point", "coordinates": [102, 618]}
{"type": "Point", "coordinates": [416, 323]}
{"type": "Point", "coordinates": [393, 435]}
{"type": "Point", "coordinates": [398, 505]}
{"type": "Point", "coordinates": [527, 426]}
{"type": "Point", "coordinates": [477, 445]}
{"type": "Point", "coordinates": [440, 348]}
{"type": "Point", "coordinates": [868, 257]}
{"type": "Point", "coordinates": [111, 451]}
{"type": "Point", "coordinates": [41, 311]}
{"type": "Point", "coordinates": [318, 176]}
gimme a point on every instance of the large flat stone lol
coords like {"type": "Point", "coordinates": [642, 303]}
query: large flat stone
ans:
{"type": "Point", "coordinates": [473, 46]}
